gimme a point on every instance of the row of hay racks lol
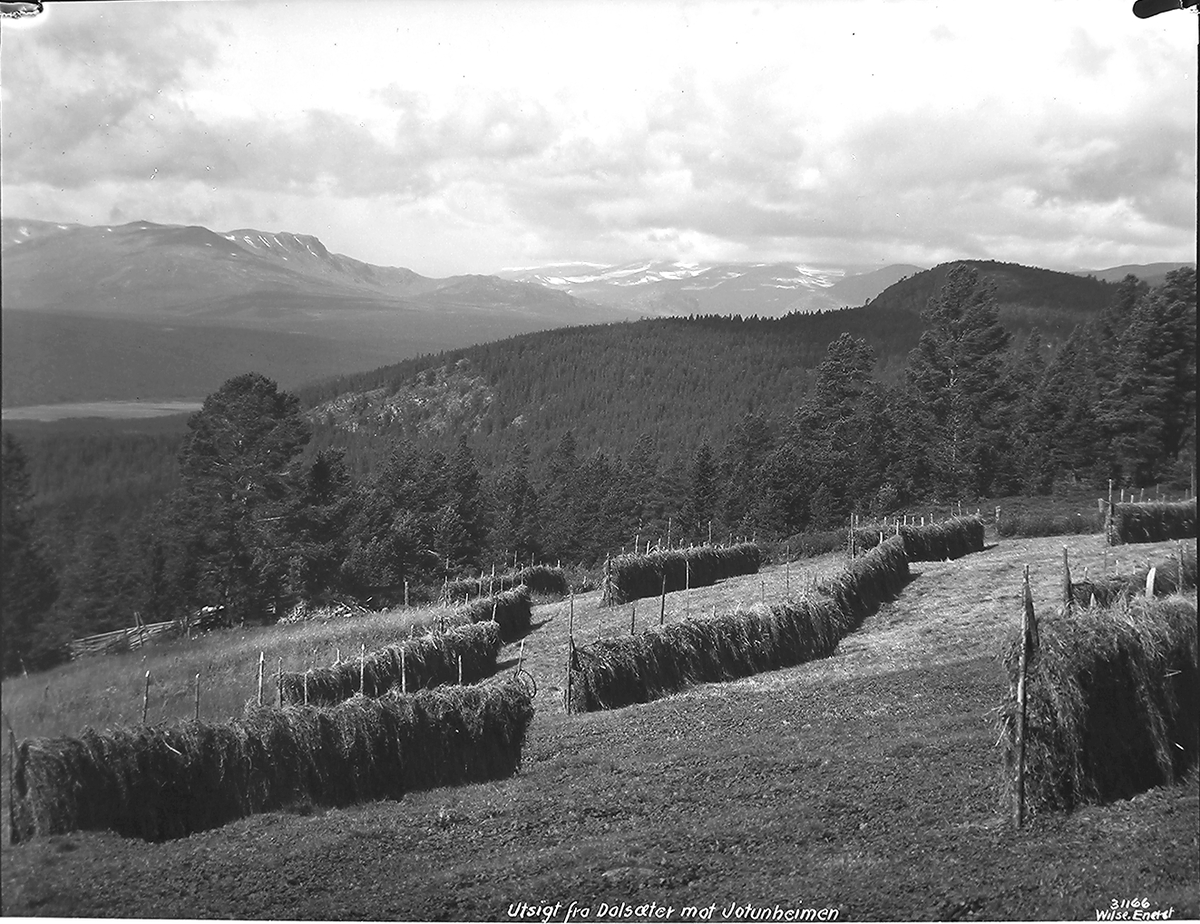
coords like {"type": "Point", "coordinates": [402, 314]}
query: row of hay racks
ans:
{"type": "Point", "coordinates": [664, 659]}
{"type": "Point", "coordinates": [1177, 574]}
{"type": "Point", "coordinates": [633, 576]}
{"type": "Point", "coordinates": [1153, 521]}
{"type": "Point", "coordinates": [159, 782]}
{"type": "Point", "coordinates": [540, 579]}
{"type": "Point", "coordinates": [1104, 701]}
{"type": "Point", "coordinates": [936, 541]}
{"type": "Point", "coordinates": [465, 652]}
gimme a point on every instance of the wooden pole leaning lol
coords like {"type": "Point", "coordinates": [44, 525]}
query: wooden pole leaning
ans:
{"type": "Point", "coordinates": [13, 835]}
{"type": "Point", "coordinates": [1028, 628]}
{"type": "Point", "coordinates": [1066, 581]}
{"type": "Point", "coordinates": [687, 588]}
{"type": "Point", "coordinates": [570, 652]}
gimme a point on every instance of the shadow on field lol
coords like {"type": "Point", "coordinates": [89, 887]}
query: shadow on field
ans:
{"type": "Point", "coordinates": [534, 626]}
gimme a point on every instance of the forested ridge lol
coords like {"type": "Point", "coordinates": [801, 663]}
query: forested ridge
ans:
{"type": "Point", "coordinates": [564, 445]}
{"type": "Point", "coordinates": [678, 380]}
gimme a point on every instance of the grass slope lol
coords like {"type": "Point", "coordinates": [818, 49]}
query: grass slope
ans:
{"type": "Point", "coordinates": [869, 781]}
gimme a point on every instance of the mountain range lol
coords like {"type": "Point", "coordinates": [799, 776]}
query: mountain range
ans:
{"type": "Point", "coordinates": [168, 312]}
{"type": "Point", "coordinates": [145, 310]}
{"type": "Point", "coordinates": [675, 288]}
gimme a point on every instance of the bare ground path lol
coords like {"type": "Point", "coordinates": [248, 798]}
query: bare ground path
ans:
{"type": "Point", "coordinates": [868, 782]}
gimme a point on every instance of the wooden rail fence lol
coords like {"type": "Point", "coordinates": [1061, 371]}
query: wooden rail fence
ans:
{"type": "Point", "coordinates": [122, 639]}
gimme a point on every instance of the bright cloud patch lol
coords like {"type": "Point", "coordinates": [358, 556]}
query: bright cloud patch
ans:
{"type": "Point", "coordinates": [463, 137]}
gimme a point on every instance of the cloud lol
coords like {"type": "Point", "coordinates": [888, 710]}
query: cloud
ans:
{"type": "Point", "coordinates": [801, 130]}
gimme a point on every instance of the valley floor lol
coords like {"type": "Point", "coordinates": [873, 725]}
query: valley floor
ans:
{"type": "Point", "coordinates": [869, 783]}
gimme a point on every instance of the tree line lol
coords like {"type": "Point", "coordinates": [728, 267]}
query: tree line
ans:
{"type": "Point", "coordinates": [266, 508]}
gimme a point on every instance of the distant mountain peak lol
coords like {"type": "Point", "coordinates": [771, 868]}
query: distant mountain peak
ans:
{"type": "Point", "coordinates": [685, 287]}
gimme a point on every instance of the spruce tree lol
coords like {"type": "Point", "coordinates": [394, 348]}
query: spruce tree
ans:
{"type": "Point", "coordinates": [27, 583]}
{"type": "Point", "coordinates": [240, 487]}
{"type": "Point", "coordinates": [956, 372]}
{"type": "Point", "coordinates": [515, 524]}
{"type": "Point", "coordinates": [1152, 405]}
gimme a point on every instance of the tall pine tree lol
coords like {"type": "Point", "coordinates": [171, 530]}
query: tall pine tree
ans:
{"type": "Point", "coordinates": [957, 374]}
{"type": "Point", "coordinates": [28, 585]}
{"type": "Point", "coordinates": [241, 485]}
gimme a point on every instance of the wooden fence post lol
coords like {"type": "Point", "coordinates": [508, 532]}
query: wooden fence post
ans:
{"type": "Point", "coordinates": [1066, 581]}
{"type": "Point", "coordinates": [460, 670]}
{"type": "Point", "coordinates": [198, 695]}
{"type": "Point", "coordinates": [362, 670]}
{"type": "Point", "coordinates": [1150, 583]}
{"type": "Point", "coordinates": [406, 594]}
{"type": "Point", "coordinates": [662, 606]}
{"type": "Point", "coordinates": [261, 659]}
{"type": "Point", "coordinates": [146, 698]}
{"type": "Point", "coordinates": [570, 650]}
{"type": "Point", "coordinates": [403, 672]}
{"type": "Point", "coordinates": [570, 661]}
{"type": "Point", "coordinates": [13, 835]}
{"type": "Point", "coordinates": [1028, 633]}
{"type": "Point", "coordinates": [633, 618]}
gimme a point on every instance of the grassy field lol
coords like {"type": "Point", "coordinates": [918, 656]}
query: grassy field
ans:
{"type": "Point", "coordinates": [869, 782]}
{"type": "Point", "coordinates": [107, 691]}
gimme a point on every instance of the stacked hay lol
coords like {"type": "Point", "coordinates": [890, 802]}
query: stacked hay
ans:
{"type": "Point", "coordinates": [1152, 522]}
{"type": "Point", "coordinates": [511, 609]}
{"type": "Point", "coordinates": [866, 538]}
{"type": "Point", "coordinates": [639, 668]}
{"type": "Point", "coordinates": [1104, 591]}
{"type": "Point", "coordinates": [951, 538]}
{"type": "Point", "coordinates": [631, 577]}
{"type": "Point", "coordinates": [869, 580]}
{"type": "Point", "coordinates": [1113, 702]}
{"type": "Point", "coordinates": [1034, 524]}
{"type": "Point", "coordinates": [540, 579]}
{"type": "Point", "coordinates": [812, 544]}
{"type": "Point", "coordinates": [164, 782]}
{"type": "Point", "coordinates": [1174, 575]}
{"type": "Point", "coordinates": [428, 660]}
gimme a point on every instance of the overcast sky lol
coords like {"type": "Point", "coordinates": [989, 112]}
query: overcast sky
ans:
{"type": "Point", "coordinates": [454, 137]}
